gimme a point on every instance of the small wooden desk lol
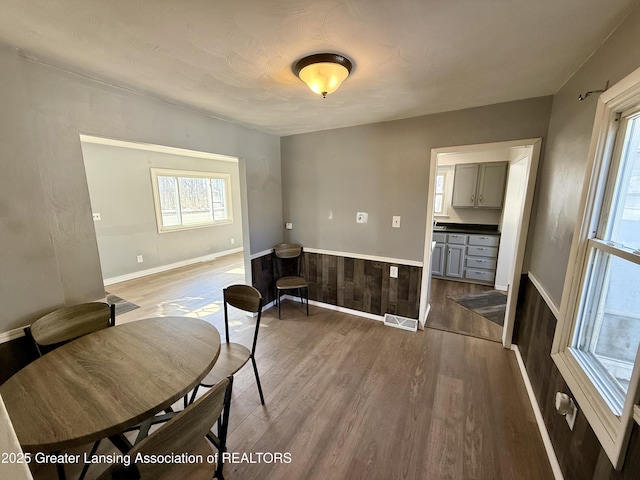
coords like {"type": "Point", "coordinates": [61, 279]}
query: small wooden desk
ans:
{"type": "Point", "coordinates": [108, 381]}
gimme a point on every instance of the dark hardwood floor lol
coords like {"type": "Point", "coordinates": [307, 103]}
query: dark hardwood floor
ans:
{"type": "Point", "coordinates": [348, 398]}
{"type": "Point", "coordinates": [452, 317]}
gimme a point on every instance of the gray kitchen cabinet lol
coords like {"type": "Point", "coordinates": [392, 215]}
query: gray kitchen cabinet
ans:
{"type": "Point", "coordinates": [481, 258]}
{"type": "Point", "coordinates": [491, 182]}
{"type": "Point", "coordinates": [455, 261]}
{"type": "Point", "coordinates": [465, 184]}
{"type": "Point", "coordinates": [479, 185]}
{"type": "Point", "coordinates": [467, 257]}
{"type": "Point", "coordinates": [437, 259]}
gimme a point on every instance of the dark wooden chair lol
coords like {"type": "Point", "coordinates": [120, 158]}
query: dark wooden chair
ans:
{"type": "Point", "coordinates": [233, 356]}
{"type": "Point", "coordinates": [187, 432]}
{"type": "Point", "coordinates": [288, 271]}
{"type": "Point", "coordinates": [67, 323]}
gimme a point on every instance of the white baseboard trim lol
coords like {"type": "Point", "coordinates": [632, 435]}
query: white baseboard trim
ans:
{"type": "Point", "coordinates": [11, 334]}
{"type": "Point", "coordinates": [545, 296]}
{"type": "Point", "coordinates": [171, 266]}
{"type": "Point", "coordinates": [264, 253]}
{"type": "Point", "coordinates": [548, 446]}
{"type": "Point", "coordinates": [502, 288]}
{"type": "Point", "coordinates": [336, 308]}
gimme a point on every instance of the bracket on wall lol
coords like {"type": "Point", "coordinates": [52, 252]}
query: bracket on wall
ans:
{"type": "Point", "coordinates": [582, 97]}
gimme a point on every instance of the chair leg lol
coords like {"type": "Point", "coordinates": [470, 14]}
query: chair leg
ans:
{"type": "Point", "coordinates": [278, 302]}
{"type": "Point", "coordinates": [60, 470]}
{"type": "Point", "coordinates": [223, 429]}
{"type": "Point", "coordinates": [193, 395]}
{"type": "Point", "coordinates": [306, 290]}
{"type": "Point", "coordinates": [255, 370]}
{"type": "Point", "coordinates": [86, 466]}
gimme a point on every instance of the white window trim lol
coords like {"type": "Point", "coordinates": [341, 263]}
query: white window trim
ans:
{"type": "Point", "coordinates": [447, 171]}
{"type": "Point", "coordinates": [155, 172]}
{"type": "Point", "coordinates": [612, 431]}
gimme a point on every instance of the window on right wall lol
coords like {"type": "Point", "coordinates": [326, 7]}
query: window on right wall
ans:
{"type": "Point", "coordinates": [598, 334]}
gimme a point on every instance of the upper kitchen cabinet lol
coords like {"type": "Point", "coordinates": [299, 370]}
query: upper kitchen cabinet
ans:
{"type": "Point", "coordinates": [479, 185]}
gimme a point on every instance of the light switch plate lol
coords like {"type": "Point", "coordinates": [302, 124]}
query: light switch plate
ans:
{"type": "Point", "coordinates": [362, 217]}
{"type": "Point", "coordinates": [395, 223]}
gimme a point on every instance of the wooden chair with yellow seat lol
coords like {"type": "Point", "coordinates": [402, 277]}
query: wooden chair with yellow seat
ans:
{"type": "Point", "coordinates": [288, 271]}
{"type": "Point", "coordinates": [186, 433]}
{"type": "Point", "coordinates": [234, 356]}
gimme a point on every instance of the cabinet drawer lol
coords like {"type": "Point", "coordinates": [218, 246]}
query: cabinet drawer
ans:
{"type": "Point", "coordinates": [457, 238]}
{"type": "Point", "coordinates": [482, 275]}
{"type": "Point", "coordinates": [440, 237]}
{"type": "Point", "coordinates": [474, 251]}
{"type": "Point", "coordinates": [484, 240]}
{"type": "Point", "coordinates": [480, 262]}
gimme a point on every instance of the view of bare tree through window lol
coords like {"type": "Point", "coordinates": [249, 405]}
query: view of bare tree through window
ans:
{"type": "Point", "coordinates": [192, 200]}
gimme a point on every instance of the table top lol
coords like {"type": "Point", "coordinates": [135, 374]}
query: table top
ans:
{"type": "Point", "coordinates": [107, 381]}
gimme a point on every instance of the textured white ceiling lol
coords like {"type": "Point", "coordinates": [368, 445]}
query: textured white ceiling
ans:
{"type": "Point", "coordinates": [233, 59]}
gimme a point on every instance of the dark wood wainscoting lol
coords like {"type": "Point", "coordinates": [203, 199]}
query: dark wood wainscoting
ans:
{"type": "Point", "coordinates": [579, 453]}
{"type": "Point", "coordinates": [353, 283]}
{"type": "Point", "coordinates": [14, 355]}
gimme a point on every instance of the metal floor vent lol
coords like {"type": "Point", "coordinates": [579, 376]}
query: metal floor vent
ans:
{"type": "Point", "coordinates": [397, 321]}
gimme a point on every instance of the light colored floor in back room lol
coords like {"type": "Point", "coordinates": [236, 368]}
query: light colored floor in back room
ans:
{"type": "Point", "coordinates": [349, 398]}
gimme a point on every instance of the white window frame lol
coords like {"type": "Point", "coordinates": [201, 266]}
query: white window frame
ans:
{"type": "Point", "coordinates": [447, 173]}
{"type": "Point", "coordinates": [612, 430]}
{"type": "Point", "coordinates": [162, 172]}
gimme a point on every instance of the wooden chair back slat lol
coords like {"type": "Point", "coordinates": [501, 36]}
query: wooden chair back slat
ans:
{"type": "Point", "coordinates": [288, 250]}
{"type": "Point", "coordinates": [244, 297]}
{"type": "Point", "coordinates": [182, 433]}
{"type": "Point", "coordinates": [71, 322]}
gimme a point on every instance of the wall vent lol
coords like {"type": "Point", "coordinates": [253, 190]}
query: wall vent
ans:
{"type": "Point", "coordinates": [397, 321]}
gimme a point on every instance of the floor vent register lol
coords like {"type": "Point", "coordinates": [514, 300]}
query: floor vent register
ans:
{"type": "Point", "coordinates": [397, 321]}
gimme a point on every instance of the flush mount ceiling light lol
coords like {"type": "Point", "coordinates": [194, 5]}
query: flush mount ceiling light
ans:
{"type": "Point", "coordinates": [323, 72]}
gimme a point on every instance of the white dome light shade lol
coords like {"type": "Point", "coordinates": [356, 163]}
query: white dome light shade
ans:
{"type": "Point", "coordinates": [324, 72]}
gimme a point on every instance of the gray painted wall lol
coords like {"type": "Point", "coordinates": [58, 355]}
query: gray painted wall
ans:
{"type": "Point", "coordinates": [49, 250]}
{"type": "Point", "coordinates": [383, 169]}
{"type": "Point", "coordinates": [120, 189]}
{"type": "Point", "coordinates": [562, 172]}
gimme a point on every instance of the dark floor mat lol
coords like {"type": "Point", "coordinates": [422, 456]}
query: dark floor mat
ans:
{"type": "Point", "coordinates": [122, 306]}
{"type": "Point", "coordinates": [491, 304]}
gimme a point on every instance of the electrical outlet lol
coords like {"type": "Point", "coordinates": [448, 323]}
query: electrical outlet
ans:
{"type": "Point", "coordinates": [288, 226]}
{"type": "Point", "coordinates": [96, 217]}
{"type": "Point", "coordinates": [140, 259]}
{"type": "Point", "coordinates": [233, 241]}
{"type": "Point", "coordinates": [393, 271]}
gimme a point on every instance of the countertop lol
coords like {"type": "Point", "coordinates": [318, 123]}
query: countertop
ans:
{"type": "Point", "coordinates": [466, 228]}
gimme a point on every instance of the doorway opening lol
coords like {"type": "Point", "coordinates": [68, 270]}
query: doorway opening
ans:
{"type": "Point", "coordinates": [159, 208]}
{"type": "Point", "coordinates": [475, 264]}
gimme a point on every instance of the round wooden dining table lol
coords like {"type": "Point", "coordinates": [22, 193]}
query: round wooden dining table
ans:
{"type": "Point", "coordinates": [103, 383]}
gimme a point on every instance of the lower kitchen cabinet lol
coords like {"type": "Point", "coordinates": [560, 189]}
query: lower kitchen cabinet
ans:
{"type": "Point", "coordinates": [455, 261]}
{"type": "Point", "coordinates": [437, 259]}
{"type": "Point", "coordinates": [466, 257]}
